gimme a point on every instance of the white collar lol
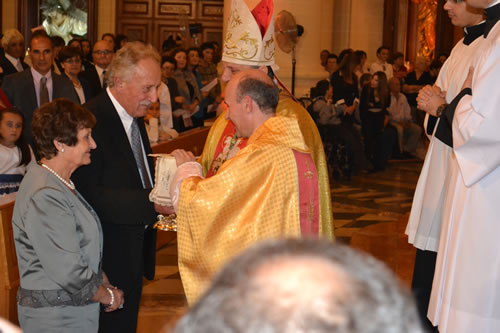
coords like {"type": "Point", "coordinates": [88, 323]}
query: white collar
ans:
{"type": "Point", "coordinates": [37, 76]}
{"type": "Point", "coordinates": [13, 60]}
{"type": "Point", "coordinates": [122, 113]}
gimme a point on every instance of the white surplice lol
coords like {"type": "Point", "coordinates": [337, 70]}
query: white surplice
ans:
{"type": "Point", "coordinates": [424, 224]}
{"type": "Point", "coordinates": [466, 288]}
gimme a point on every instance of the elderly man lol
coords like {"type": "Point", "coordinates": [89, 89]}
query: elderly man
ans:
{"type": "Point", "coordinates": [118, 181]}
{"type": "Point", "coordinates": [13, 45]}
{"type": "Point", "coordinates": [269, 189]}
{"type": "Point", "coordinates": [303, 286]}
{"type": "Point", "coordinates": [102, 56]}
{"type": "Point", "coordinates": [222, 143]}
{"type": "Point", "coordinates": [30, 89]}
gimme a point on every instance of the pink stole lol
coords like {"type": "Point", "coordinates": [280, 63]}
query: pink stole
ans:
{"type": "Point", "coordinates": [308, 194]}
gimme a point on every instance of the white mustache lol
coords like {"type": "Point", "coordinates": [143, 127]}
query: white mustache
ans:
{"type": "Point", "coordinates": [145, 103]}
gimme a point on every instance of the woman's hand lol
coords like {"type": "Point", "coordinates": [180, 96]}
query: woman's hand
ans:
{"type": "Point", "coordinates": [104, 297]}
{"type": "Point", "coordinates": [118, 301]}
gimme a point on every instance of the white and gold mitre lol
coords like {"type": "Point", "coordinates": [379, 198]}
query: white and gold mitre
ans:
{"type": "Point", "coordinates": [249, 35]}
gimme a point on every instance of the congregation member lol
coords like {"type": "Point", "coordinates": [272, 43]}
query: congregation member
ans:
{"type": "Point", "coordinates": [110, 38]}
{"type": "Point", "coordinates": [30, 89]}
{"type": "Point", "coordinates": [381, 64]}
{"type": "Point", "coordinates": [400, 117]}
{"type": "Point", "coordinates": [323, 56]}
{"type": "Point", "coordinates": [345, 86]}
{"type": "Point", "coordinates": [120, 41]}
{"type": "Point", "coordinates": [186, 82]}
{"type": "Point", "coordinates": [15, 153]}
{"type": "Point", "coordinates": [12, 61]}
{"type": "Point", "coordinates": [332, 64]}
{"type": "Point", "coordinates": [216, 216]}
{"type": "Point", "coordinates": [361, 70]}
{"type": "Point", "coordinates": [102, 54]}
{"type": "Point", "coordinates": [426, 217]}
{"type": "Point", "coordinates": [464, 287]}
{"type": "Point", "coordinates": [118, 181]}
{"type": "Point", "coordinates": [86, 50]}
{"type": "Point", "coordinates": [57, 234]}
{"type": "Point", "coordinates": [398, 66]}
{"type": "Point", "coordinates": [58, 43]}
{"type": "Point", "coordinates": [222, 143]}
{"type": "Point", "coordinates": [414, 81]}
{"type": "Point", "coordinates": [291, 285]}
{"type": "Point", "coordinates": [208, 69]}
{"type": "Point", "coordinates": [328, 117]}
{"type": "Point", "coordinates": [379, 137]}
{"type": "Point", "coordinates": [71, 62]}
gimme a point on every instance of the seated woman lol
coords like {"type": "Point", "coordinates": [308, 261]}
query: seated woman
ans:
{"type": "Point", "coordinates": [57, 234]}
{"type": "Point", "coordinates": [380, 138]}
{"type": "Point", "coordinates": [71, 62]}
{"type": "Point", "coordinates": [15, 153]}
{"type": "Point", "coordinates": [327, 116]}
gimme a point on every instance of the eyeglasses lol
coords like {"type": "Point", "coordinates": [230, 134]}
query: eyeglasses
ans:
{"type": "Point", "coordinates": [105, 52]}
{"type": "Point", "coordinates": [73, 61]}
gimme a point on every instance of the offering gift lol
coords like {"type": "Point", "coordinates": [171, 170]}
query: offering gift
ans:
{"type": "Point", "coordinates": [164, 173]}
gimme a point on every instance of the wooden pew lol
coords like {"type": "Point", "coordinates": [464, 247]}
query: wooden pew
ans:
{"type": "Point", "coordinates": [9, 273]}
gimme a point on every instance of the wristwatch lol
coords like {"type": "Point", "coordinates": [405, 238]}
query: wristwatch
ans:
{"type": "Point", "coordinates": [441, 109]}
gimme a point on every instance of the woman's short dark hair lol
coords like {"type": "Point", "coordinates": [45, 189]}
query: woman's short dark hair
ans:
{"type": "Point", "coordinates": [69, 52]}
{"type": "Point", "coordinates": [59, 120]}
{"type": "Point", "coordinates": [320, 89]}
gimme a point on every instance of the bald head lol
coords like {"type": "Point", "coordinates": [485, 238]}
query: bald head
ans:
{"type": "Point", "coordinates": [257, 85]}
{"type": "Point", "coordinates": [303, 286]}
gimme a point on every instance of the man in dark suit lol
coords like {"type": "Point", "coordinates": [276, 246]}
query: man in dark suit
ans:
{"type": "Point", "coordinates": [118, 181]}
{"type": "Point", "coordinates": [12, 61]}
{"type": "Point", "coordinates": [102, 55]}
{"type": "Point", "coordinates": [30, 89]}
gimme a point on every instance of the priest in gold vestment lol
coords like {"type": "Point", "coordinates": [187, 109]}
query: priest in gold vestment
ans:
{"type": "Point", "coordinates": [240, 54]}
{"type": "Point", "coordinates": [269, 189]}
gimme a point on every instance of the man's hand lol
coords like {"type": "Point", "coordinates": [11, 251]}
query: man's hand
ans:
{"type": "Point", "coordinates": [430, 98]}
{"type": "Point", "coordinates": [164, 210]}
{"type": "Point", "coordinates": [182, 156]}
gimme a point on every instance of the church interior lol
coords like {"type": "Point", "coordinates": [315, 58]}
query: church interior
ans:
{"type": "Point", "coordinates": [370, 209]}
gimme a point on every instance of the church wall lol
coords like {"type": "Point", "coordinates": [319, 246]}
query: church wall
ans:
{"type": "Point", "coordinates": [106, 17]}
{"type": "Point", "coordinates": [9, 15]}
{"type": "Point", "coordinates": [367, 23]}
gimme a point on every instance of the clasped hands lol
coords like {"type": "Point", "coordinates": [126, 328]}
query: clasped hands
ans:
{"type": "Point", "coordinates": [431, 97]}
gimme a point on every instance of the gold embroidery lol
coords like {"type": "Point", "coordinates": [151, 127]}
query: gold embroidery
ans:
{"type": "Point", "coordinates": [309, 174]}
{"type": "Point", "coordinates": [310, 211]}
{"type": "Point", "coordinates": [234, 19]}
{"type": "Point", "coordinates": [269, 49]}
{"type": "Point", "coordinates": [232, 49]}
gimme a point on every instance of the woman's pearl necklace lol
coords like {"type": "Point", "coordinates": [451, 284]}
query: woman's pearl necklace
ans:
{"type": "Point", "coordinates": [70, 184]}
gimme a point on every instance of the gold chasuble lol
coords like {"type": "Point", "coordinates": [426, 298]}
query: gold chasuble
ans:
{"type": "Point", "coordinates": [219, 140]}
{"type": "Point", "coordinates": [267, 190]}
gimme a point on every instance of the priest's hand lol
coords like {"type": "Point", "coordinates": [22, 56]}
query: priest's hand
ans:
{"type": "Point", "coordinates": [182, 156]}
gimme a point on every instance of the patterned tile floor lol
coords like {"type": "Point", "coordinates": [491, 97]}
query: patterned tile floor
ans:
{"type": "Point", "coordinates": [370, 213]}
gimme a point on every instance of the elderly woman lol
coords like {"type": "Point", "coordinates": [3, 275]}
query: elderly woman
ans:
{"type": "Point", "coordinates": [57, 234]}
{"type": "Point", "coordinates": [71, 61]}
